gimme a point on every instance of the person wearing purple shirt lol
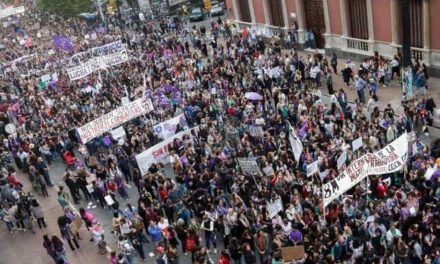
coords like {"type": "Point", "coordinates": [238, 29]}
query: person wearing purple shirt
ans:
{"type": "Point", "coordinates": [296, 236]}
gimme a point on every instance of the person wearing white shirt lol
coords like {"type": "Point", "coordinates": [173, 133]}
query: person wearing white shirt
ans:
{"type": "Point", "coordinates": [210, 238]}
{"type": "Point", "coordinates": [286, 227]}
{"type": "Point", "coordinates": [163, 223]}
{"type": "Point", "coordinates": [392, 233]}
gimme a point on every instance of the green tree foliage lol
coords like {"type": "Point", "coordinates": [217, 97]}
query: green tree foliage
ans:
{"type": "Point", "coordinates": [65, 8]}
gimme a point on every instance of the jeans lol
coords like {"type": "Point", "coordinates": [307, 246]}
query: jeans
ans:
{"type": "Point", "coordinates": [47, 178]}
{"type": "Point", "coordinates": [130, 258]}
{"type": "Point", "coordinates": [41, 222]}
{"type": "Point", "coordinates": [361, 95]}
{"type": "Point", "coordinates": [75, 242]}
{"type": "Point", "coordinates": [10, 225]}
{"type": "Point", "coordinates": [210, 237]}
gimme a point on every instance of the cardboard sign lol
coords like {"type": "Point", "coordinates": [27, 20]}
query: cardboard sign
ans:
{"type": "Point", "coordinates": [274, 207]}
{"type": "Point", "coordinates": [249, 165]}
{"type": "Point", "coordinates": [109, 200]}
{"type": "Point", "coordinates": [387, 160]}
{"type": "Point", "coordinates": [76, 225]}
{"type": "Point", "coordinates": [256, 131]}
{"type": "Point", "coordinates": [45, 78]}
{"type": "Point", "coordinates": [268, 171]}
{"type": "Point", "coordinates": [293, 253]}
{"type": "Point", "coordinates": [118, 132]}
{"type": "Point", "coordinates": [295, 143]}
{"type": "Point", "coordinates": [113, 119]}
{"type": "Point", "coordinates": [312, 168]}
{"type": "Point", "coordinates": [357, 144]}
{"type": "Point", "coordinates": [341, 160]}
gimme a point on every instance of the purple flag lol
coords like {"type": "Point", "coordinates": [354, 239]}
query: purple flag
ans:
{"type": "Point", "coordinates": [163, 100]}
{"type": "Point", "coordinates": [168, 87]}
{"type": "Point", "coordinates": [177, 96]}
{"type": "Point", "coordinates": [64, 43]}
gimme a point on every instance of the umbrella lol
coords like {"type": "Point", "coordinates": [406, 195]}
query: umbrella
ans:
{"type": "Point", "coordinates": [52, 83]}
{"type": "Point", "coordinates": [253, 96]}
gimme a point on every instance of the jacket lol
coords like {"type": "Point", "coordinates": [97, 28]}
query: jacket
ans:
{"type": "Point", "coordinates": [37, 211]}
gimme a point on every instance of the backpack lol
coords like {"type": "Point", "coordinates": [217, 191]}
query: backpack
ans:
{"type": "Point", "coordinates": [190, 244]}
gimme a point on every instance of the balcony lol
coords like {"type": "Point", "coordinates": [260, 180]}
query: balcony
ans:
{"type": "Point", "coordinates": [416, 53]}
{"type": "Point", "coordinates": [357, 44]}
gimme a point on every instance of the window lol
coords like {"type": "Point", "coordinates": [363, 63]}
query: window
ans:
{"type": "Point", "coordinates": [276, 12]}
{"type": "Point", "coordinates": [416, 21]}
{"type": "Point", "coordinates": [245, 13]}
{"type": "Point", "coordinates": [358, 19]}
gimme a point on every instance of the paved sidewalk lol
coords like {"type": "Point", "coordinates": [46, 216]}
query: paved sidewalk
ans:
{"type": "Point", "coordinates": [391, 94]}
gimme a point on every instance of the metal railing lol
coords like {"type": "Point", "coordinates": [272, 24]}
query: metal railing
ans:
{"type": "Point", "coordinates": [416, 53]}
{"type": "Point", "coordinates": [357, 44]}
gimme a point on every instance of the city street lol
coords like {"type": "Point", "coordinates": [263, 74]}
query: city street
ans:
{"type": "Point", "coordinates": [26, 247]}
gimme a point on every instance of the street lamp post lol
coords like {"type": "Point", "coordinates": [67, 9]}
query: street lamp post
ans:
{"type": "Point", "coordinates": [98, 3]}
{"type": "Point", "coordinates": [406, 37]}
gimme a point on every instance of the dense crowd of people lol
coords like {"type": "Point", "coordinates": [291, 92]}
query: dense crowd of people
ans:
{"type": "Point", "coordinates": [199, 201]}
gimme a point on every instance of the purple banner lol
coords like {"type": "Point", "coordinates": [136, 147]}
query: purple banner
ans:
{"type": "Point", "coordinates": [64, 43]}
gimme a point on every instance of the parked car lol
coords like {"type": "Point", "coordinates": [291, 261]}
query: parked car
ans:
{"type": "Point", "coordinates": [217, 10]}
{"type": "Point", "coordinates": [196, 14]}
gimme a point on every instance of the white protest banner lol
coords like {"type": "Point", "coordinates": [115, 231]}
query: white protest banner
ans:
{"type": "Point", "coordinates": [11, 11]}
{"type": "Point", "coordinates": [357, 144]}
{"type": "Point", "coordinates": [113, 119]}
{"type": "Point", "coordinates": [109, 48]}
{"type": "Point", "coordinates": [159, 152]}
{"type": "Point", "coordinates": [167, 128]}
{"type": "Point", "coordinates": [295, 143]}
{"type": "Point", "coordinates": [312, 168]}
{"type": "Point", "coordinates": [97, 63]}
{"type": "Point", "coordinates": [274, 207]}
{"type": "Point", "coordinates": [118, 132]}
{"type": "Point", "coordinates": [22, 58]}
{"type": "Point", "coordinates": [249, 165]}
{"type": "Point", "coordinates": [387, 160]}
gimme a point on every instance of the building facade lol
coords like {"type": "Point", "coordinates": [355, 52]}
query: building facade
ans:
{"type": "Point", "coordinates": [353, 27]}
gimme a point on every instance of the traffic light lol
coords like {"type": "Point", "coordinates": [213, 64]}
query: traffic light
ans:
{"type": "Point", "coordinates": [112, 7]}
{"type": "Point", "coordinates": [207, 4]}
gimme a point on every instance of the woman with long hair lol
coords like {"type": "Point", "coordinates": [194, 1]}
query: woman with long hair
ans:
{"type": "Point", "coordinates": [50, 249]}
{"type": "Point", "coordinates": [59, 249]}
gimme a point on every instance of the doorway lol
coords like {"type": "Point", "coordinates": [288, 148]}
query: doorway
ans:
{"type": "Point", "coordinates": [314, 11]}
